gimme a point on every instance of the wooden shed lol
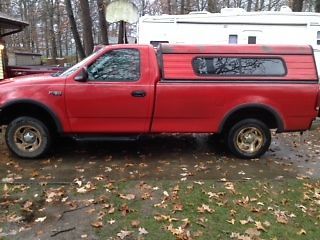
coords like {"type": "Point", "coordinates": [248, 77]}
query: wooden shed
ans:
{"type": "Point", "coordinates": [8, 26]}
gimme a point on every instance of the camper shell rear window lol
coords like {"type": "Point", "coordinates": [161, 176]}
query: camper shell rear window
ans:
{"type": "Point", "coordinates": [238, 66]}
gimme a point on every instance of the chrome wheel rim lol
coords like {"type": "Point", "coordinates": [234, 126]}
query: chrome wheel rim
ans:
{"type": "Point", "coordinates": [27, 138]}
{"type": "Point", "coordinates": [250, 140]}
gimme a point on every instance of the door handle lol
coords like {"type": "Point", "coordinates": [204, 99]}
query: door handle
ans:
{"type": "Point", "coordinates": [138, 93]}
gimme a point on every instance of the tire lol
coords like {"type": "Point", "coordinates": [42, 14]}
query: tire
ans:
{"type": "Point", "coordinates": [249, 138]}
{"type": "Point", "coordinates": [27, 137]}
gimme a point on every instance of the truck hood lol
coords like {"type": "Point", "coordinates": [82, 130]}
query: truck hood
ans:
{"type": "Point", "coordinates": [44, 78]}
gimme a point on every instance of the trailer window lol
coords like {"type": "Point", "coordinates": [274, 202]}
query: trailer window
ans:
{"type": "Point", "coordinates": [238, 66]}
{"type": "Point", "coordinates": [117, 65]}
{"type": "Point", "coordinates": [252, 40]}
{"type": "Point", "coordinates": [318, 38]}
{"type": "Point", "coordinates": [233, 39]}
{"type": "Point", "coordinates": [1, 62]}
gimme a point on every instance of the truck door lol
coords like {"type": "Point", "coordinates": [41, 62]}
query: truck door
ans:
{"type": "Point", "coordinates": [116, 97]}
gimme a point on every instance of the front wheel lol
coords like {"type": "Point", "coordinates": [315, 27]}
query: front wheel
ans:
{"type": "Point", "coordinates": [28, 137]}
{"type": "Point", "coordinates": [249, 138]}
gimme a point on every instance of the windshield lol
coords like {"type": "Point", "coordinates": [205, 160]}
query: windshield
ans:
{"type": "Point", "coordinates": [73, 69]}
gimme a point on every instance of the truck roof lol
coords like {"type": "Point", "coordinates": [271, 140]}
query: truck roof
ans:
{"type": "Point", "coordinates": [235, 49]}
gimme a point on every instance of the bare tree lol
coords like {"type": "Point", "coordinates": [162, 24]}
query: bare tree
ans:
{"type": "Point", "coordinates": [317, 6]}
{"type": "Point", "coordinates": [74, 29]}
{"type": "Point", "coordinates": [297, 5]}
{"type": "Point", "coordinates": [87, 27]}
{"type": "Point", "coordinates": [103, 23]}
{"type": "Point", "coordinates": [212, 6]}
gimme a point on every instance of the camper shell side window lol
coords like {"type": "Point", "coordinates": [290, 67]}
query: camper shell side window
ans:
{"type": "Point", "coordinates": [238, 66]}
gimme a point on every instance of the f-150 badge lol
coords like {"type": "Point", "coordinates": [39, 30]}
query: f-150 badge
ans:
{"type": "Point", "coordinates": [55, 93]}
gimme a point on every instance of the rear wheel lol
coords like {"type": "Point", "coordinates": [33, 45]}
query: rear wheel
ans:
{"type": "Point", "coordinates": [28, 137]}
{"type": "Point", "coordinates": [249, 138]}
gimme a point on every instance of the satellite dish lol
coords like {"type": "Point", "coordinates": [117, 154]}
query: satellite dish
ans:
{"type": "Point", "coordinates": [122, 10]}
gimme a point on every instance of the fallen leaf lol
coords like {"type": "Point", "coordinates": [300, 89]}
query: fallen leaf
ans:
{"type": "Point", "coordinates": [122, 234]}
{"type": "Point", "coordinates": [302, 232]}
{"type": "Point", "coordinates": [97, 224]}
{"type": "Point", "coordinates": [243, 222]}
{"type": "Point", "coordinates": [143, 231]}
{"type": "Point", "coordinates": [127, 196]}
{"type": "Point", "coordinates": [252, 232]}
{"type": "Point", "coordinates": [125, 210]}
{"type": "Point", "coordinates": [177, 207]}
{"type": "Point", "coordinates": [40, 219]}
{"type": "Point", "coordinates": [111, 210]}
{"type": "Point", "coordinates": [27, 205]}
{"type": "Point", "coordinates": [146, 196]}
{"type": "Point", "coordinates": [5, 188]}
{"type": "Point", "coordinates": [180, 232]}
{"type": "Point", "coordinates": [13, 218]}
{"type": "Point", "coordinates": [260, 227]}
{"type": "Point", "coordinates": [111, 221]}
{"type": "Point", "coordinates": [205, 208]}
{"type": "Point", "coordinates": [165, 218]}
{"type": "Point", "coordinates": [230, 186]}
{"type": "Point", "coordinates": [266, 224]}
{"type": "Point", "coordinates": [282, 218]}
{"type": "Point", "coordinates": [90, 211]}
{"type": "Point", "coordinates": [135, 223]}
{"type": "Point", "coordinates": [232, 221]}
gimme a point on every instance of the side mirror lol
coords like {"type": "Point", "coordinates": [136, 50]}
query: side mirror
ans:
{"type": "Point", "coordinates": [82, 76]}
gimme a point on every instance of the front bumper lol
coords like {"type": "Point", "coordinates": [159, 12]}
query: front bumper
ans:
{"type": "Point", "coordinates": [315, 124]}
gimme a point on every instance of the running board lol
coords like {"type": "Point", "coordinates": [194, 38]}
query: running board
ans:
{"type": "Point", "coordinates": [96, 138]}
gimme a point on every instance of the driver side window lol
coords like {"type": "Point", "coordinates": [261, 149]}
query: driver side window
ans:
{"type": "Point", "coordinates": [119, 65]}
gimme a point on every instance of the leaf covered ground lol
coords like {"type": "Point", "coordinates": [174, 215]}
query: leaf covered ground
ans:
{"type": "Point", "coordinates": [240, 210]}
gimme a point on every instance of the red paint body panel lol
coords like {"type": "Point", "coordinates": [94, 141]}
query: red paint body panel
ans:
{"type": "Point", "coordinates": [235, 49]}
{"type": "Point", "coordinates": [179, 66]}
{"type": "Point", "coordinates": [189, 107]}
{"type": "Point", "coordinates": [36, 88]}
{"type": "Point", "coordinates": [108, 107]}
{"type": "Point", "coordinates": [179, 100]}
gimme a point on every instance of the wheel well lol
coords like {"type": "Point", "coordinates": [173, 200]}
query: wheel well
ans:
{"type": "Point", "coordinates": [267, 116]}
{"type": "Point", "coordinates": [39, 112]}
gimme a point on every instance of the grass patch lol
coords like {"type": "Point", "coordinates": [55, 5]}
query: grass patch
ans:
{"type": "Point", "coordinates": [186, 210]}
{"type": "Point", "coordinates": [276, 210]}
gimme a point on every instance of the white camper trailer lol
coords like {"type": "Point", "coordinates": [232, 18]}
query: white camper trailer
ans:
{"type": "Point", "coordinates": [234, 26]}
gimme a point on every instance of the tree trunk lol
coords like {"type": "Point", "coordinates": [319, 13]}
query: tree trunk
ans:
{"type": "Point", "coordinates": [59, 35]}
{"type": "Point", "coordinates": [182, 7]}
{"type": "Point", "coordinates": [50, 9]}
{"type": "Point", "coordinates": [249, 5]}
{"type": "Point", "coordinates": [188, 8]}
{"type": "Point", "coordinates": [169, 6]}
{"type": "Point", "coordinates": [122, 36]}
{"type": "Point", "coordinates": [212, 6]}
{"type": "Point", "coordinates": [87, 27]}
{"type": "Point", "coordinates": [261, 5]}
{"type": "Point", "coordinates": [297, 5]}
{"type": "Point", "coordinates": [256, 6]}
{"type": "Point", "coordinates": [317, 6]}
{"type": "Point", "coordinates": [74, 29]}
{"type": "Point", "coordinates": [103, 23]}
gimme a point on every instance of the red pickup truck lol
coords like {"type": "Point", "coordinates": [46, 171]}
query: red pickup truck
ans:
{"type": "Point", "coordinates": [237, 91]}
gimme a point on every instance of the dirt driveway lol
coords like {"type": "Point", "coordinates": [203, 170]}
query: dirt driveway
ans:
{"type": "Point", "coordinates": [166, 157]}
